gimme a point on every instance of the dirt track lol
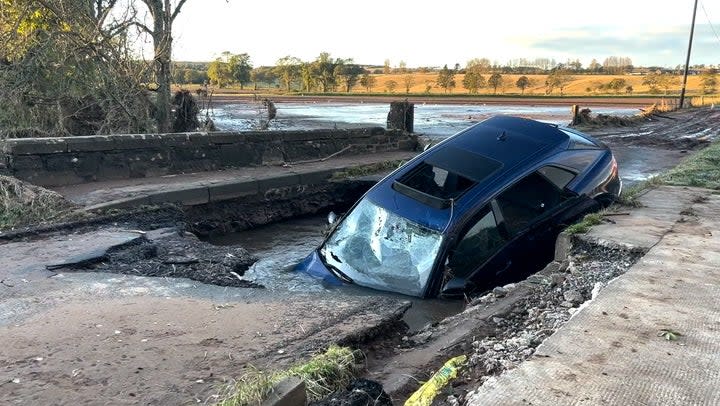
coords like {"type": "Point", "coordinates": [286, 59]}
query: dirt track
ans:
{"type": "Point", "coordinates": [679, 130]}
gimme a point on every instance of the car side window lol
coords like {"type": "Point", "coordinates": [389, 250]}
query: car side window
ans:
{"type": "Point", "coordinates": [558, 176]}
{"type": "Point", "coordinates": [476, 246]}
{"type": "Point", "coordinates": [527, 200]}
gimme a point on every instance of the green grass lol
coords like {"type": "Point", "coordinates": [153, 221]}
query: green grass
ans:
{"type": "Point", "coordinates": [701, 169]}
{"type": "Point", "coordinates": [584, 225]}
{"type": "Point", "coordinates": [323, 374]}
{"type": "Point", "coordinates": [630, 196]}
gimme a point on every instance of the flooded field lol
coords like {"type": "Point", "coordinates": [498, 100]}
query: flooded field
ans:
{"type": "Point", "coordinates": [435, 120]}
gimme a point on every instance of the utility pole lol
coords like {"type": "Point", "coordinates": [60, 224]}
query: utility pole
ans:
{"type": "Point", "coordinates": [687, 60]}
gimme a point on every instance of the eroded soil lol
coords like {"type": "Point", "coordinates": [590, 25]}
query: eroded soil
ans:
{"type": "Point", "coordinates": [679, 130]}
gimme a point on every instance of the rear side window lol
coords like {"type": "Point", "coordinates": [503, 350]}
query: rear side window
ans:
{"type": "Point", "coordinates": [527, 200]}
{"type": "Point", "coordinates": [558, 176]}
{"type": "Point", "coordinates": [577, 141]}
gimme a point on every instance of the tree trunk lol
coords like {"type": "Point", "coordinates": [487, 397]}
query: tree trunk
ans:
{"type": "Point", "coordinates": [162, 40]}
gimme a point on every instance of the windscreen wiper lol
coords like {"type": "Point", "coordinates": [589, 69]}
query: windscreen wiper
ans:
{"type": "Point", "coordinates": [335, 271]}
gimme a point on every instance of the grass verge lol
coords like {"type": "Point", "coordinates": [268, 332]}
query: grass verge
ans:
{"type": "Point", "coordinates": [701, 169]}
{"type": "Point", "coordinates": [584, 225]}
{"type": "Point", "coordinates": [323, 374]}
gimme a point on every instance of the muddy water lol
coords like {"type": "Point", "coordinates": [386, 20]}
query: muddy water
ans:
{"type": "Point", "coordinates": [281, 246]}
{"type": "Point", "coordinates": [637, 163]}
{"type": "Point", "coordinates": [435, 120]}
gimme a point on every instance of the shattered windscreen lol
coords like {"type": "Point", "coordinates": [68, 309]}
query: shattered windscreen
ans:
{"type": "Point", "coordinates": [381, 250]}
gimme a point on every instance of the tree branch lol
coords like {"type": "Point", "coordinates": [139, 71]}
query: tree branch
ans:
{"type": "Point", "coordinates": [177, 10]}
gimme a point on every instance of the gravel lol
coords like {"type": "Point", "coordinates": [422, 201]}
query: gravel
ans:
{"type": "Point", "coordinates": [555, 299]}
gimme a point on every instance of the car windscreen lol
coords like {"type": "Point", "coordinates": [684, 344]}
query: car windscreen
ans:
{"type": "Point", "coordinates": [381, 250]}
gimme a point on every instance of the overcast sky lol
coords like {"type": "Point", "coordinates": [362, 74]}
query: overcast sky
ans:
{"type": "Point", "coordinates": [434, 33]}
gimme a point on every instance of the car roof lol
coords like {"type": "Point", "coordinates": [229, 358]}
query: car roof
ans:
{"type": "Point", "coordinates": [492, 153]}
{"type": "Point", "coordinates": [511, 141]}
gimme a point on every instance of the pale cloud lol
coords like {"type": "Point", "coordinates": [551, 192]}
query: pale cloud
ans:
{"type": "Point", "coordinates": [645, 47]}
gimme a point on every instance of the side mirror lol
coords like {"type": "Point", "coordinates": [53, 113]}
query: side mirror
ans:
{"type": "Point", "coordinates": [454, 288]}
{"type": "Point", "coordinates": [332, 218]}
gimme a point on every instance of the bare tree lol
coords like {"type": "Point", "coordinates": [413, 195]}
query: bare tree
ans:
{"type": "Point", "coordinates": [163, 14]}
{"type": "Point", "coordinates": [559, 79]}
{"type": "Point", "coordinates": [408, 81]}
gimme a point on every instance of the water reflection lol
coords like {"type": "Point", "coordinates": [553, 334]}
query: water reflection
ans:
{"type": "Point", "coordinates": [430, 119]}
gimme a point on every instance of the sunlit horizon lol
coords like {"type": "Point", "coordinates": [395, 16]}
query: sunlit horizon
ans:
{"type": "Point", "coordinates": [651, 34]}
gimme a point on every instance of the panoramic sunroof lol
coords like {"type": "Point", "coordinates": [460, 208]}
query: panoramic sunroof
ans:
{"type": "Point", "coordinates": [473, 166]}
{"type": "Point", "coordinates": [445, 175]}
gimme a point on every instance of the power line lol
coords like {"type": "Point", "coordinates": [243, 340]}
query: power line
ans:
{"type": "Point", "coordinates": [709, 21]}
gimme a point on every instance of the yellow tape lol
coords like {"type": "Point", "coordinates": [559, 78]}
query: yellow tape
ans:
{"type": "Point", "coordinates": [425, 395]}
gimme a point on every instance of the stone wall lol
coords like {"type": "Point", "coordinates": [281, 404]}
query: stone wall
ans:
{"type": "Point", "coordinates": [71, 160]}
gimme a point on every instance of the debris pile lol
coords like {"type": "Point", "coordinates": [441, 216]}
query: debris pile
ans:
{"type": "Point", "coordinates": [558, 296]}
{"type": "Point", "coordinates": [585, 119]}
{"type": "Point", "coordinates": [176, 254]}
{"type": "Point", "coordinates": [23, 204]}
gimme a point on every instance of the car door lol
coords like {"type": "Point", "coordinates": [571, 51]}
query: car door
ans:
{"type": "Point", "coordinates": [531, 213]}
{"type": "Point", "coordinates": [478, 250]}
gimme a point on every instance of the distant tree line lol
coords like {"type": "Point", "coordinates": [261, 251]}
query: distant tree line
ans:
{"type": "Point", "coordinates": [328, 74]}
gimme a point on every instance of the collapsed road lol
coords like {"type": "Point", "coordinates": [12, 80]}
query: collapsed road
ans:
{"type": "Point", "coordinates": [161, 339]}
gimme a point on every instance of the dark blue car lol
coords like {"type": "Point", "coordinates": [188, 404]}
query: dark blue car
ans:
{"type": "Point", "coordinates": [477, 208]}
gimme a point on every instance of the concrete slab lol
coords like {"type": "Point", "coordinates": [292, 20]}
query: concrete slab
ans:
{"type": "Point", "coordinates": [611, 351]}
{"type": "Point", "coordinates": [643, 227]}
{"type": "Point", "coordinates": [137, 191]}
{"type": "Point", "coordinates": [26, 260]}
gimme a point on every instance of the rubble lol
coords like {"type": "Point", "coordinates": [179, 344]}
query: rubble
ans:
{"type": "Point", "coordinates": [556, 298]}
